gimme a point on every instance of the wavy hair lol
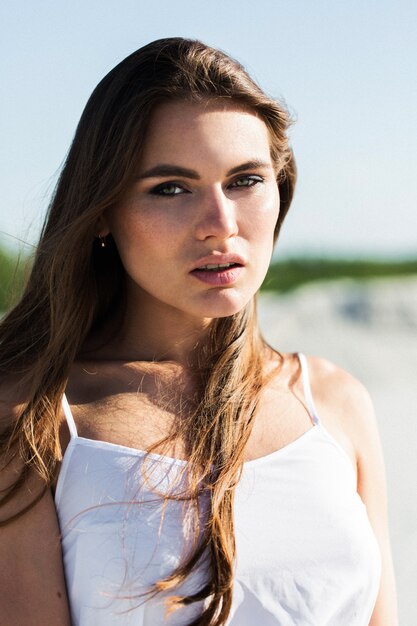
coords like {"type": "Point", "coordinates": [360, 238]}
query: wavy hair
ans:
{"type": "Point", "coordinates": [73, 289]}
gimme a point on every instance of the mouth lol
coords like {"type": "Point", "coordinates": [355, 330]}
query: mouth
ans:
{"type": "Point", "coordinates": [218, 274]}
{"type": "Point", "coordinates": [213, 267]}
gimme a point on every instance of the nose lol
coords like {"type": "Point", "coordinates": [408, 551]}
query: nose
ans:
{"type": "Point", "coordinates": [217, 216]}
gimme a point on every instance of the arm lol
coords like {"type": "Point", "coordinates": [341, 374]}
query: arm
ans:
{"type": "Point", "coordinates": [372, 489]}
{"type": "Point", "coordinates": [346, 407]}
{"type": "Point", "coordinates": [32, 583]}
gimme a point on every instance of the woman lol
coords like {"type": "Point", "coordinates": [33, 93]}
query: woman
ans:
{"type": "Point", "coordinates": [180, 459]}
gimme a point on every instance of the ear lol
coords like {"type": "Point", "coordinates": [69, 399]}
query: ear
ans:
{"type": "Point", "coordinates": [102, 227]}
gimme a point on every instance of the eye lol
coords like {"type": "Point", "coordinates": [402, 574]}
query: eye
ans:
{"type": "Point", "coordinates": [167, 189]}
{"type": "Point", "coordinates": [247, 181]}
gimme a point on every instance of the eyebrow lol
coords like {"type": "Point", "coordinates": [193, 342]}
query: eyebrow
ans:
{"type": "Point", "coordinates": [164, 169]}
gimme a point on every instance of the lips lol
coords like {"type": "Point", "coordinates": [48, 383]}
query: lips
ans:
{"type": "Point", "coordinates": [231, 258]}
{"type": "Point", "coordinates": [219, 276]}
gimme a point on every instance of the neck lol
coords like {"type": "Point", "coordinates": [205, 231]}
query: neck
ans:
{"type": "Point", "coordinates": [150, 331]}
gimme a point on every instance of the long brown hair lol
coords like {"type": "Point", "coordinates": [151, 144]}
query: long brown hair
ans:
{"type": "Point", "coordinates": [73, 289]}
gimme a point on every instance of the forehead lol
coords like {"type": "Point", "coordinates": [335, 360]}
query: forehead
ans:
{"type": "Point", "coordinates": [214, 129]}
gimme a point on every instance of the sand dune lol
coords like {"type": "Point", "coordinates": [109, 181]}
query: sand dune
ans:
{"type": "Point", "coordinates": [370, 329]}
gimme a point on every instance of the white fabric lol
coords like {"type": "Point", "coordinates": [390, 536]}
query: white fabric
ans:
{"type": "Point", "coordinates": [306, 553]}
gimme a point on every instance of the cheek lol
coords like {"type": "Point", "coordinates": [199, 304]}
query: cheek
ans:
{"type": "Point", "coordinates": [274, 212]}
{"type": "Point", "coordinates": [149, 250]}
{"type": "Point", "coordinates": [138, 232]}
{"type": "Point", "coordinates": [261, 220]}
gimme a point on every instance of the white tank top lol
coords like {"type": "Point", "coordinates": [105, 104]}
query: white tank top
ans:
{"type": "Point", "coordinates": [306, 552]}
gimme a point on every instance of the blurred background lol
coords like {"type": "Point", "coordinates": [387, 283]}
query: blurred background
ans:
{"type": "Point", "coordinates": [343, 283]}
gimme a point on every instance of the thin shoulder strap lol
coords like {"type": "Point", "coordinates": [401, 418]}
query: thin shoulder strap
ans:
{"type": "Point", "coordinates": [307, 389]}
{"type": "Point", "coordinates": [68, 415]}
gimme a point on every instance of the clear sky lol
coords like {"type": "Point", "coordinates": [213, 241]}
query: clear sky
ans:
{"type": "Point", "coordinates": [346, 69]}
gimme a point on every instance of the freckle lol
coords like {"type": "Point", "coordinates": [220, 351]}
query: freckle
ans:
{"type": "Point", "coordinates": [59, 594]}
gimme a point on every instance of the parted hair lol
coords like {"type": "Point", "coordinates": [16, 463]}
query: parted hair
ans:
{"type": "Point", "coordinates": [74, 287]}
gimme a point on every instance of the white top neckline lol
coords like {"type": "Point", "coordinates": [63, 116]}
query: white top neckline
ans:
{"type": "Point", "coordinates": [182, 462]}
{"type": "Point", "coordinates": [99, 443]}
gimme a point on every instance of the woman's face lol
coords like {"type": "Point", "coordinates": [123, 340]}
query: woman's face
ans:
{"type": "Point", "coordinates": [205, 194]}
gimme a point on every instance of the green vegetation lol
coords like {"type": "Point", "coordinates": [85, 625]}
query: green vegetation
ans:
{"type": "Point", "coordinates": [13, 269]}
{"type": "Point", "coordinates": [283, 276]}
{"type": "Point", "coordinates": [288, 274]}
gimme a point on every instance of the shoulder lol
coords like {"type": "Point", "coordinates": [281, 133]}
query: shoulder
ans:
{"type": "Point", "coordinates": [333, 384]}
{"type": "Point", "coordinates": [12, 465]}
{"type": "Point", "coordinates": [344, 404]}
{"type": "Point", "coordinates": [12, 401]}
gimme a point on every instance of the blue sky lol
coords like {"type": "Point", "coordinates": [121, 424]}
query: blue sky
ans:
{"type": "Point", "coordinates": [346, 69]}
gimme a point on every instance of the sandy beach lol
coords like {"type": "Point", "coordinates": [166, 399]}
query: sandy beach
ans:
{"type": "Point", "coordinates": [369, 329]}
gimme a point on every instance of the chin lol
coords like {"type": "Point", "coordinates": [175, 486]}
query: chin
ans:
{"type": "Point", "coordinates": [226, 306]}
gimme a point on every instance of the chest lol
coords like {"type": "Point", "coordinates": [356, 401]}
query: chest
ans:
{"type": "Point", "coordinates": [300, 526]}
{"type": "Point", "coordinates": [143, 423]}
{"type": "Point", "coordinates": [152, 418]}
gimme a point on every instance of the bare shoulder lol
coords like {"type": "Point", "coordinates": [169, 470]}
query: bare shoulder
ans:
{"type": "Point", "coordinates": [334, 383]}
{"type": "Point", "coordinates": [343, 403]}
{"type": "Point", "coordinates": [12, 401]}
